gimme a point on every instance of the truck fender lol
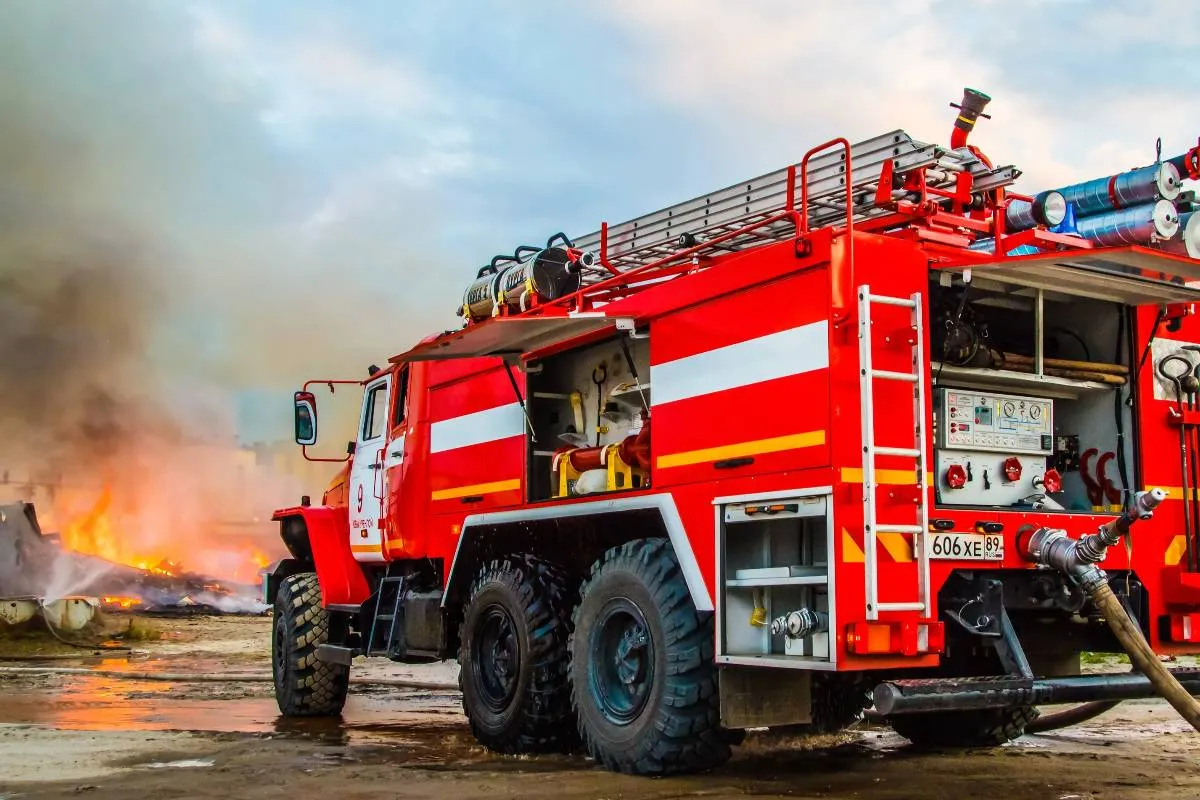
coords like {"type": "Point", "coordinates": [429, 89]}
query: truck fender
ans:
{"type": "Point", "coordinates": [480, 531]}
{"type": "Point", "coordinates": [327, 532]}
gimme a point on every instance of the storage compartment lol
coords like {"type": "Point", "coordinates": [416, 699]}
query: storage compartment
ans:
{"type": "Point", "coordinates": [590, 410]}
{"type": "Point", "coordinates": [774, 561]}
{"type": "Point", "coordinates": [1028, 399]}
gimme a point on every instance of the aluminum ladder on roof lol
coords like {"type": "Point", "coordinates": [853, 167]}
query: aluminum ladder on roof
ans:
{"type": "Point", "coordinates": [656, 235]}
{"type": "Point", "coordinates": [872, 527]}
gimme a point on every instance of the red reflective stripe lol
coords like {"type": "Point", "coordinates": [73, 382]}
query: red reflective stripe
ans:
{"type": "Point", "coordinates": [1112, 192]}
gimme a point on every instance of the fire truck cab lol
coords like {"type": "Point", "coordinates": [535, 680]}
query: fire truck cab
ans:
{"type": "Point", "coordinates": [839, 435]}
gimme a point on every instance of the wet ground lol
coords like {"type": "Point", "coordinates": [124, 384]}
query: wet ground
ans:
{"type": "Point", "coordinates": [92, 735]}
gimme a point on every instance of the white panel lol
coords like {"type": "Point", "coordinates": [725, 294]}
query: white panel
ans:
{"type": "Point", "coordinates": [500, 422]}
{"type": "Point", "coordinates": [778, 355]}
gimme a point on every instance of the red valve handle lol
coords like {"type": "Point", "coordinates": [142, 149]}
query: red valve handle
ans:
{"type": "Point", "coordinates": [956, 476]}
{"type": "Point", "coordinates": [1012, 469]}
{"type": "Point", "coordinates": [1052, 481]}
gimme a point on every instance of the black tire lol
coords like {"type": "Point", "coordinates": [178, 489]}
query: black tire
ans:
{"type": "Point", "coordinates": [643, 678]}
{"type": "Point", "coordinates": [513, 657]}
{"type": "Point", "coordinates": [988, 727]}
{"type": "Point", "coordinates": [304, 686]}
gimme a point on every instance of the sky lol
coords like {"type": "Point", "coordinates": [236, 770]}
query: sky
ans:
{"type": "Point", "coordinates": [319, 181]}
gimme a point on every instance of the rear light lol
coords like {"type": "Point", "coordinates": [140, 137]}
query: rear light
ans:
{"type": "Point", "coordinates": [1184, 627]}
{"type": "Point", "coordinates": [895, 638]}
{"type": "Point", "coordinates": [772, 509]}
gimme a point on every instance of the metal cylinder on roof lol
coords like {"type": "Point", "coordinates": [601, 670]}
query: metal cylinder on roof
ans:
{"type": "Point", "coordinates": [548, 275]}
{"type": "Point", "coordinates": [1188, 242]}
{"type": "Point", "coordinates": [1124, 190]}
{"type": "Point", "coordinates": [1142, 224]}
{"type": "Point", "coordinates": [1047, 208]}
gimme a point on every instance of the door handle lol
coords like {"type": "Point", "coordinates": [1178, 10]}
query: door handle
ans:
{"type": "Point", "coordinates": [375, 465]}
{"type": "Point", "coordinates": [397, 454]}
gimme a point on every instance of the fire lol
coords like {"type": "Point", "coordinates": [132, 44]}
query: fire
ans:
{"type": "Point", "coordinates": [166, 568]}
{"type": "Point", "coordinates": [92, 533]}
{"type": "Point", "coordinates": [120, 603]}
{"type": "Point", "coordinates": [95, 533]}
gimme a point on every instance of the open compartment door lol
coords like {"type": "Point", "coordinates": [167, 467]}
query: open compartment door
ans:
{"type": "Point", "coordinates": [509, 337]}
{"type": "Point", "coordinates": [1130, 275]}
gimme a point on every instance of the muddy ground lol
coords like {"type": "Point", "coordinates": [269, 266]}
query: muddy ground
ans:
{"type": "Point", "coordinates": [99, 737]}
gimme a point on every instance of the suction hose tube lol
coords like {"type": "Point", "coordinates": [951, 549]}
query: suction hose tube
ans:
{"type": "Point", "coordinates": [1078, 559]}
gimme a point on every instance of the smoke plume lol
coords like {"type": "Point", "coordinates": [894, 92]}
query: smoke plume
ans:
{"type": "Point", "coordinates": [149, 267]}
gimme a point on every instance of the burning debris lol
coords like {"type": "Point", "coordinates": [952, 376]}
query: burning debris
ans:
{"type": "Point", "coordinates": [43, 566]}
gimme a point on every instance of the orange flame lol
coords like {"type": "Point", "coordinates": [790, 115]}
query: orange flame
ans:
{"type": "Point", "coordinates": [122, 603]}
{"type": "Point", "coordinates": [94, 533]}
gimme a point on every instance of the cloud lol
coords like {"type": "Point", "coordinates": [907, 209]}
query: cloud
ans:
{"type": "Point", "coordinates": [775, 77]}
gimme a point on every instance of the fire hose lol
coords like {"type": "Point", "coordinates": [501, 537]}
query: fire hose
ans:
{"type": "Point", "coordinates": [1077, 558]}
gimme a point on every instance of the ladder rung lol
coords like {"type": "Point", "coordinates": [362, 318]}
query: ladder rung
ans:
{"type": "Point", "coordinates": [901, 606]}
{"type": "Point", "coordinates": [911, 452]}
{"type": "Point", "coordinates": [897, 528]}
{"type": "Point", "coordinates": [882, 300]}
{"type": "Point", "coordinates": [894, 376]}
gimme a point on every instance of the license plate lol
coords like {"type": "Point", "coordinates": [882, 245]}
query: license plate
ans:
{"type": "Point", "coordinates": [966, 547]}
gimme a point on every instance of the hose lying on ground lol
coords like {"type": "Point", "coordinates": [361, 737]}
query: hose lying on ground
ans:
{"type": "Point", "coordinates": [1143, 658]}
{"type": "Point", "coordinates": [1071, 716]}
{"type": "Point", "coordinates": [211, 677]}
{"type": "Point", "coordinates": [1078, 559]}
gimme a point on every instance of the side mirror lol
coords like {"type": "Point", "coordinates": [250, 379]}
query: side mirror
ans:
{"type": "Point", "coordinates": [306, 418]}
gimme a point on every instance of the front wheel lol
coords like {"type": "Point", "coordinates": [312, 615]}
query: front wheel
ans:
{"type": "Point", "coordinates": [304, 685]}
{"type": "Point", "coordinates": [643, 678]}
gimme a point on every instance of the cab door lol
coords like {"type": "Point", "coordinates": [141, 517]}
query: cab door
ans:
{"type": "Point", "coordinates": [398, 465]}
{"type": "Point", "coordinates": [367, 485]}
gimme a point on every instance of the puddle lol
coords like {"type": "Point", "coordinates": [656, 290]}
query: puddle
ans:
{"type": "Point", "coordinates": [185, 763]}
{"type": "Point", "coordinates": [86, 703]}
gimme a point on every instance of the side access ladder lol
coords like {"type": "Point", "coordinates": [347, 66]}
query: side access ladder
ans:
{"type": "Point", "coordinates": [872, 527]}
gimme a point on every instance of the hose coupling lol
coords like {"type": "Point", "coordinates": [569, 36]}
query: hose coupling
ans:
{"type": "Point", "coordinates": [801, 623]}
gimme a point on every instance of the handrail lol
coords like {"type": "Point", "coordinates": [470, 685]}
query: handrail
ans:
{"type": "Point", "coordinates": [841, 273]}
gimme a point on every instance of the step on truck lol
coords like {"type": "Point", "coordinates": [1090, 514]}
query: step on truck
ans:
{"type": "Point", "coordinates": [872, 430]}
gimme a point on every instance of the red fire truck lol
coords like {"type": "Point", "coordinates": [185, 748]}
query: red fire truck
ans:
{"type": "Point", "coordinates": [869, 429]}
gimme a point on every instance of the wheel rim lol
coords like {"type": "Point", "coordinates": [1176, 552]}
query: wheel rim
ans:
{"type": "Point", "coordinates": [280, 653]}
{"type": "Point", "coordinates": [496, 658]}
{"type": "Point", "coordinates": [621, 670]}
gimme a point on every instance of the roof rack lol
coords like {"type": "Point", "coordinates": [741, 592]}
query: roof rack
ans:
{"type": "Point", "coordinates": [736, 208]}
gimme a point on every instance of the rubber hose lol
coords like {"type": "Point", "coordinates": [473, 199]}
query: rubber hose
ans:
{"type": "Point", "coordinates": [1143, 657]}
{"type": "Point", "coordinates": [1072, 716]}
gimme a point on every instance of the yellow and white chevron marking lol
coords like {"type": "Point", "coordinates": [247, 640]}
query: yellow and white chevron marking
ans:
{"type": "Point", "coordinates": [895, 547]}
{"type": "Point", "coordinates": [1175, 551]}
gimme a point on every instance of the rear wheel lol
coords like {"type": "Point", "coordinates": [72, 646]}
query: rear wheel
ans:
{"type": "Point", "coordinates": [304, 686]}
{"type": "Point", "coordinates": [989, 727]}
{"type": "Point", "coordinates": [643, 679]}
{"type": "Point", "coordinates": [513, 657]}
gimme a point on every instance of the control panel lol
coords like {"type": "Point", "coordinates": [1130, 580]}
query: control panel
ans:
{"type": "Point", "coordinates": [989, 422]}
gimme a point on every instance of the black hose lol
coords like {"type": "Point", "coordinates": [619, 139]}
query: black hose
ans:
{"type": "Point", "coordinates": [1072, 716]}
{"type": "Point", "coordinates": [1123, 321]}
